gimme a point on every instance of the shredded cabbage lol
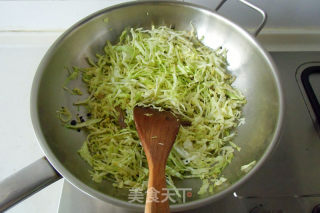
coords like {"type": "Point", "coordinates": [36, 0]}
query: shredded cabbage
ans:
{"type": "Point", "coordinates": [246, 168]}
{"type": "Point", "coordinates": [165, 69]}
{"type": "Point", "coordinates": [64, 114]}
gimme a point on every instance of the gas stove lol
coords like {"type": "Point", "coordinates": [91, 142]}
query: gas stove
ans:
{"type": "Point", "coordinates": [289, 181]}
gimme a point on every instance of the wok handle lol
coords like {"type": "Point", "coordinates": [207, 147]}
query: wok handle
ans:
{"type": "Point", "coordinates": [263, 14]}
{"type": "Point", "coordinates": [25, 182]}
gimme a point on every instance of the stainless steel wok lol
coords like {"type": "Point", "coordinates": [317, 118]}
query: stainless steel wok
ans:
{"type": "Point", "coordinates": [256, 74]}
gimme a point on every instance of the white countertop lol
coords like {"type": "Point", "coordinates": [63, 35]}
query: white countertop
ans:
{"type": "Point", "coordinates": [20, 54]}
{"type": "Point", "coordinates": [27, 29]}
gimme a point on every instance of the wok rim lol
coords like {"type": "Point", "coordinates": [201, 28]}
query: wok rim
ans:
{"type": "Point", "coordinates": [54, 161]}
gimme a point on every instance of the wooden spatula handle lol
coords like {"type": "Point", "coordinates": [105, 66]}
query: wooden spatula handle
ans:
{"type": "Point", "coordinates": [157, 132]}
{"type": "Point", "coordinates": [157, 196]}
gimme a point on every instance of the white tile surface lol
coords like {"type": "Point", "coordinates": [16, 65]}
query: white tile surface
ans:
{"type": "Point", "coordinates": [47, 15]}
{"type": "Point", "coordinates": [20, 55]}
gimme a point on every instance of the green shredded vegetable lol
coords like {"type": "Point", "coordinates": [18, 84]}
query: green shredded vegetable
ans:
{"type": "Point", "coordinates": [74, 91]}
{"type": "Point", "coordinates": [73, 76]}
{"type": "Point", "coordinates": [246, 168]}
{"type": "Point", "coordinates": [64, 114]}
{"type": "Point", "coordinates": [84, 124]}
{"type": "Point", "coordinates": [106, 20]}
{"type": "Point", "coordinates": [165, 69]}
{"type": "Point", "coordinates": [85, 153]}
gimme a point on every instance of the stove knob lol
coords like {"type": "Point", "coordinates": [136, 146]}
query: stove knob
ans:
{"type": "Point", "coordinates": [316, 209]}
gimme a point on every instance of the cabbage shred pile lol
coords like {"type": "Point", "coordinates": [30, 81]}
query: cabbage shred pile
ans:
{"type": "Point", "coordinates": [165, 69]}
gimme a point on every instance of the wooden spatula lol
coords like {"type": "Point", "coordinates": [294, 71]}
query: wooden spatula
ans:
{"type": "Point", "coordinates": [157, 132]}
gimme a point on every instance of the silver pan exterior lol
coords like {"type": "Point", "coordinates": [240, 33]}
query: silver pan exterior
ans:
{"type": "Point", "coordinates": [256, 74]}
